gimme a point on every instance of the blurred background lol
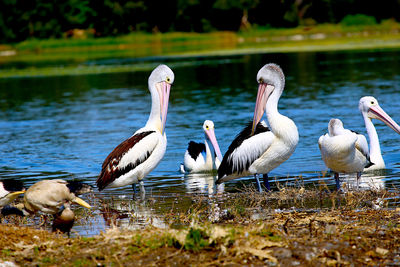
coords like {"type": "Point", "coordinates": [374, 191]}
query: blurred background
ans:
{"type": "Point", "coordinates": [21, 20]}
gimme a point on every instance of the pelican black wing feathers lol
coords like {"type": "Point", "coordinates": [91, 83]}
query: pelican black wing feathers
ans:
{"type": "Point", "coordinates": [195, 149]}
{"type": "Point", "coordinates": [226, 167]}
{"type": "Point", "coordinates": [110, 170]}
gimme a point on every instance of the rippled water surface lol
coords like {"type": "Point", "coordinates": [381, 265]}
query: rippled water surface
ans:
{"type": "Point", "coordinates": [64, 127]}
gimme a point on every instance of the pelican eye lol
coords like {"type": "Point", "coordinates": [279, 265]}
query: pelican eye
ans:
{"type": "Point", "coordinates": [168, 80]}
{"type": "Point", "coordinates": [261, 80]}
{"type": "Point", "coordinates": [372, 102]}
{"type": "Point", "coordinates": [207, 127]}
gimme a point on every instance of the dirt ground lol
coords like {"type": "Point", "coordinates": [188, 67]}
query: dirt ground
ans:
{"type": "Point", "coordinates": [354, 233]}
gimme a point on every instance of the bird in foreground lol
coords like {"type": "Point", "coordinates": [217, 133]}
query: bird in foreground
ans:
{"type": "Point", "coordinates": [258, 149]}
{"type": "Point", "coordinates": [137, 156]}
{"type": "Point", "coordinates": [345, 151]}
{"type": "Point", "coordinates": [10, 189]}
{"type": "Point", "coordinates": [203, 157]}
{"type": "Point", "coordinates": [55, 197]}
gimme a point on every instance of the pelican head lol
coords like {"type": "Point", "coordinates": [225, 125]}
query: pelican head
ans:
{"type": "Point", "coordinates": [160, 82]}
{"type": "Point", "coordinates": [208, 127]}
{"type": "Point", "coordinates": [271, 80]}
{"type": "Point", "coordinates": [335, 127]}
{"type": "Point", "coordinates": [370, 108]}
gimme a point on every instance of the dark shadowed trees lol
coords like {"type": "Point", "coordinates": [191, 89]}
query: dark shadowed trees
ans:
{"type": "Point", "coordinates": [23, 19]}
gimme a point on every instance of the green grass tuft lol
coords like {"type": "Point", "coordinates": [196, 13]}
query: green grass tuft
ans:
{"type": "Point", "coordinates": [196, 240]}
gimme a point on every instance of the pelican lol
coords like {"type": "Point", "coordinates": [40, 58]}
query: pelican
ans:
{"type": "Point", "coordinates": [200, 157]}
{"type": "Point", "coordinates": [54, 197]}
{"type": "Point", "coordinates": [137, 156]}
{"type": "Point", "coordinates": [258, 149]}
{"type": "Point", "coordinates": [345, 151]}
{"type": "Point", "coordinates": [10, 189]}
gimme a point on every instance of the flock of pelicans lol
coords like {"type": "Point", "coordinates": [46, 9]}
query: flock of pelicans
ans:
{"type": "Point", "coordinates": [256, 150]}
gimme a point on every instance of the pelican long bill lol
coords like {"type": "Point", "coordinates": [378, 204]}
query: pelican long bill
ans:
{"type": "Point", "coordinates": [378, 113]}
{"type": "Point", "coordinates": [264, 91]}
{"type": "Point", "coordinates": [213, 139]}
{"type": "Point", "coordinates": [163, 89]}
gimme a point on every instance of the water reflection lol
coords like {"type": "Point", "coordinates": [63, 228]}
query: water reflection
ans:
{"type": "Point", "coordinates": [129, 214]}
{"type": "Point", "coordinates": [203, 183]}
{"type": "Point", "coordinates": [374, 181]}
{"type": "Point", "coordinates": [371, 181]}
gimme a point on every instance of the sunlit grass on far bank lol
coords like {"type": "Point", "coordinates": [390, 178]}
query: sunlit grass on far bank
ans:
{"type": "Point", "coordinates": [62, 56]}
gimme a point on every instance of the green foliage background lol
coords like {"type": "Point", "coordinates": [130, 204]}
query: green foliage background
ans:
{"type": "Point", "coordinates": [25, 19]}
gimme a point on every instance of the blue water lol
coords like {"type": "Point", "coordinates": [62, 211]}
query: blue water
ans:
{"type": "Point", "coordinates": [64, 127]}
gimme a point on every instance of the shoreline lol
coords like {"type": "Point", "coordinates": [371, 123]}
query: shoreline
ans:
{"type": "Point", "coordinates": [37, 58]}
{"type": "Point", "coordinates": [292, 226]}
{"type": "Point", "coordinates": [148, 63]}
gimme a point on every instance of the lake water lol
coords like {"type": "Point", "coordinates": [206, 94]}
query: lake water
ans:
{"type": "Point", "coordinates": [64, 127]}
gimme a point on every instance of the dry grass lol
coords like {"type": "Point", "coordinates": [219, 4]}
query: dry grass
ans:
{"type": "Point", "coordinates": [292, 226]}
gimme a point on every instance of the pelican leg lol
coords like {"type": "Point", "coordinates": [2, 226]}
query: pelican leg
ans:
{"type": "Point", "coordinates": [358, 179]}
{"type": "Point", "coordinates": [134, 188]}
{"type": "Point", "coordinates": [266, 182]}
{"type": "Point", "coordinates": [337, 181]}
{"type": "Point", "coordinates": [258, 183]}
{"type": "Point", "coordinates": [142, 190]}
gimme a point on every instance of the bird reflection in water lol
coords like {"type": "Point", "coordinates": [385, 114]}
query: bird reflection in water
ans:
{"type": "Point", "coordinates": [129, 214]}
{"type": "Point", "coordinates": [372, 180]}
{"type": "Point", "coordinates": [202, 183]}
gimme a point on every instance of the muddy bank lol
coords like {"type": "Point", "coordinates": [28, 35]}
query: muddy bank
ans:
{"type": "Point", "coordinates": [356, 232]}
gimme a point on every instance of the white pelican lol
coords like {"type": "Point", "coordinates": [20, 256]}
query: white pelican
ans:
{"type": "Point", "coordinates": [137, 156]}
{"type": "Point", "coordinates": [345, 151]}
{"type": "Point", "coordinates": [54, 197]}
{"type": "Point", "coordinates": [259, 149]}
{"type": "Point", "coordinates": [10, 189]}
{"type": "Point", "coordinates": [203, 157]}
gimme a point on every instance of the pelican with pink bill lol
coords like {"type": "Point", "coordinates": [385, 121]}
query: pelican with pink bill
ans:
{"type": "Point", "coordinates": [138, 155]}
{"type": "Point", "coordinates": [203, 157]}
{"type": "Point", "coordinates": [345, 151]}
{"type": "Point", "coordinates": [259, 148]}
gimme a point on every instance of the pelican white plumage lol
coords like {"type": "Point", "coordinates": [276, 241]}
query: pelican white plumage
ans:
{"type": "Point", "coordinates": [345, 151]}
{"type": "Point", "coordinates": [203, 157]}
{"type": "Point", "coordinates": [258, 149]}
{"type": "Point", "coordinates": [137, 156]}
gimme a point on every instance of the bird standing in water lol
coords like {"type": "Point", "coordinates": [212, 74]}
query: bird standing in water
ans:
{"type": "Point", "coordinates": [203, 157]}
{"type": "Point", "coordinates": [345, 151]}
{"type": "Point", "coordinates": [137, 156]}
{"type": "Point", "coordinates": [258, 149]}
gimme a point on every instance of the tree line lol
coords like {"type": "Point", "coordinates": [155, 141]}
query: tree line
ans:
{"type": "Point", "coordinates": [24, 19]}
